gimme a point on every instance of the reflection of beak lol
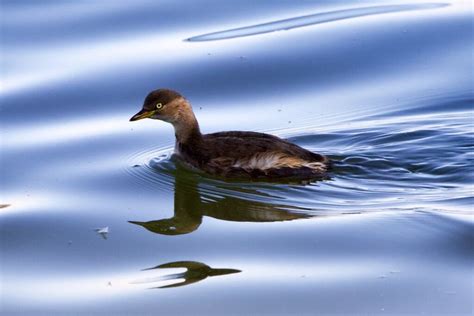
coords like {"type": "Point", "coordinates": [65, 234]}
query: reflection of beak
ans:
{"type": "Point", "coordinates": [142, 114]}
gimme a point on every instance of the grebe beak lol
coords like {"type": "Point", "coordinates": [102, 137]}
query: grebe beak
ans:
{"type": "Point", "coordinates": [142, 114]}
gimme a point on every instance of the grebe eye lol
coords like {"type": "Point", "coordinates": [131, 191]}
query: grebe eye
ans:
{"type": "Point", "coordinates": [159, 106]}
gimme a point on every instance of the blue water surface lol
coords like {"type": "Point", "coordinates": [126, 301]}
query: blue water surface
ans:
{"type": "Point", "coordinates": [97, 217]}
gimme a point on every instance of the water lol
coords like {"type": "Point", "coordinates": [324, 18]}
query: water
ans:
{"type": "Point", "coordinates": [383, 89]}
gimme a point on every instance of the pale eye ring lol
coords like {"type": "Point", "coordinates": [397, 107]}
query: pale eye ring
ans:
{"type": "Point", "coordinates": [159, 105]}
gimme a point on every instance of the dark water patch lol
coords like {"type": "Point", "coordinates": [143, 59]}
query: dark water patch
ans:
{"type": "Point", "coordinates": [313, 19]}
{"type": "Point", "coordinates": [460, 102]}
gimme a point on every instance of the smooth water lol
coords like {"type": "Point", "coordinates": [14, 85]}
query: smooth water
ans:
{"type": "Point", "coordinates": [97, 217]}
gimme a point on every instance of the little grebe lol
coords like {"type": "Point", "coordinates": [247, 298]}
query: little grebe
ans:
{"type": "Point", "coordinates": [232, 154]}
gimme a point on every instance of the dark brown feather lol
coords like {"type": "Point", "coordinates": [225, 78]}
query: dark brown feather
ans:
{"type": "Point", "coordinates": [232, 154]}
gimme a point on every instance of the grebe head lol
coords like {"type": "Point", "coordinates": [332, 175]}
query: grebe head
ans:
{"type": "Point", "coordinates": [170, 106]}
{"type": "Point", "coordinates": [164, 104]}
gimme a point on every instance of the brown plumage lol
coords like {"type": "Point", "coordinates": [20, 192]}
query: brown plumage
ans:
{"type": "Point", "coordinates": [230, 154]}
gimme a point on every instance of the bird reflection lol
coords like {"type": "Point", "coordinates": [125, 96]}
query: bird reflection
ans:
{"type": "Point", "coordinates": [195, 272]}
{"type": "Point", "coordinates": [190, 207]}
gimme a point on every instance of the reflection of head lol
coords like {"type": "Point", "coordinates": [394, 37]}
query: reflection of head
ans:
{"type": "Point", "coordinates": [195, 272]}
{"type": "Point", "coordinates": [171, 226]}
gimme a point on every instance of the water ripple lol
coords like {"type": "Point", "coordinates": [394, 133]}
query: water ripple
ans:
{"type": "Point", "coordinates": [307, 20]}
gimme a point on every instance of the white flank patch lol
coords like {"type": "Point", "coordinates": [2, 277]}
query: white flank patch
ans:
{"type": "Point", "coordinates": [265, 161]}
